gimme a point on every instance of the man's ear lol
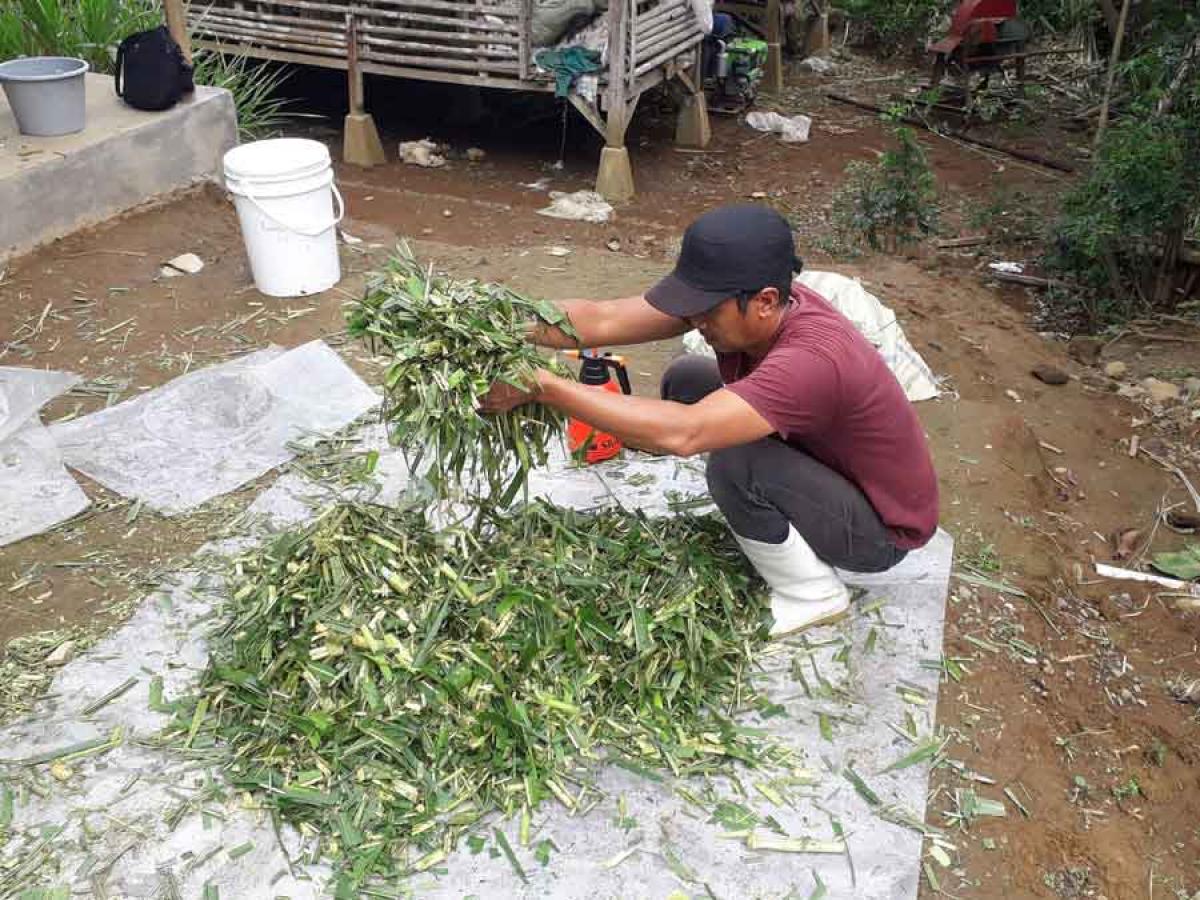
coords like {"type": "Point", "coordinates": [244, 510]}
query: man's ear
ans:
{"type": "Point", "coordinates": [769, 298]}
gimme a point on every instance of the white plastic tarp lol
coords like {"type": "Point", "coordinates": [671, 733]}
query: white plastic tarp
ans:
{"type": "Point", "coordinates": [36, 490]}
{"type": "Point", "coordinates": [211, 431]}
{"type": "Point", "coordinates": [24, 391]}
{"type": "Point", "coordinates": [897, 624]}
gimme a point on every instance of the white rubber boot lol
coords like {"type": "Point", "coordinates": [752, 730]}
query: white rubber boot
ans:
{"type": "Point", "coordinates": [804, 590]}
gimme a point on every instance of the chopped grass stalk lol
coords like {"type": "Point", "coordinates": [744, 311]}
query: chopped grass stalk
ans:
{"type": "Point", "coordinates": [759, 841]}
{"type": "Point", "coordinates": [925, 752]}
{"type": "Point", "coordinates": [508, 852]}
{"type": "Point", "coordinates": [108, 698]}
{"type": "Point", "coordinates": [861, 786]}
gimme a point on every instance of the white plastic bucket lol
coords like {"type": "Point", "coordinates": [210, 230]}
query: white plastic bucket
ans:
{"type": "Point", "coordinates": [284, 193]}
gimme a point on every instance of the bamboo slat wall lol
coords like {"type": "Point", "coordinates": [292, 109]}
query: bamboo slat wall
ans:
{"type": "Point", "coordinates": [468, 41]}
{"type": "Point", "coordinates": [660, 30]}
{"type": "Point", "coordinates": [472, 37]}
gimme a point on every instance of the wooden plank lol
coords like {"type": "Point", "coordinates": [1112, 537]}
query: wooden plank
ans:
{"type": "Point", "coordinates": [457, 37]}
{"type": "Point", "coordinates": [647, 81]}
{"type": "Point", "coordinates": [253, 31]}
{"type": "Point", "coordinates": [649, 20]}
{"type": "Point", "coordinates": [667, 54]}
{"type": "Point", "coordinates": [681, 36]}
{"type": "Point", "coordinates": [508, 82]}
{"type": "Point", "coordinates": [436, 62]}
{"type": "Point", "coordinates": [225, 43]}
{"type": "Point", "coordinates": [335, 12]}
{"type": "Point", "coordinates": [429, 19]}
{"type": "Point", "coordinates": [255, 51]}
{"type": "Point", "coordinates": [663, 32]}
{"type": "Point", "coordinates": [255, 6]}
{"type": "Point", "coordinates": [244, 15]}
{"type": "Point", "coordinates": [472, 8]}
{"type": "Point", "coordinates": [248, 31]}
{"type": "Point", "coordinates": [423, 47]}
{"type": "Point", "coordinates": [511, 16]}
{"type": "Point", "coordinates": [261, 24]}
{"type": "Point", "coordinates": [588, 110]}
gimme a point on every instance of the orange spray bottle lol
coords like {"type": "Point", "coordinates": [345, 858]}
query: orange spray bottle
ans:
{"type": "Point", "coordinates": [595, 372]}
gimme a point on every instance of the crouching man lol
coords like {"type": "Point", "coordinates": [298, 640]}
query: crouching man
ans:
{"type": "Point", "coordinates": [815, 456]}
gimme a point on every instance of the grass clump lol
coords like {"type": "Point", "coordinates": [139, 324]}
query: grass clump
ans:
{"type": "Point", "coordinates": [85, 29]}
{"type": "Point", "coordinates": [449, 342]}
{"type": "Point", "coordinates": [890, 203]}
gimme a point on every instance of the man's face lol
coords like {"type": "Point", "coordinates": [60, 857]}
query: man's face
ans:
{"type": "Point", "coordinates": [722, 326]}
{"type": "Point", "coordinates": [729, 330]}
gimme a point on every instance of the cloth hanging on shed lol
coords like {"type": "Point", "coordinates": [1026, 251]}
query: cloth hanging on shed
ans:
{"type": "Point", "coordinates": [567, 65]}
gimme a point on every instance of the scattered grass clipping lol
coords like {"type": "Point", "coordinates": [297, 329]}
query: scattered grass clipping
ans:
{"type": "Point", "coordinates": [385, 686]}
{"type": "Point", "coordinates": [449, 341]}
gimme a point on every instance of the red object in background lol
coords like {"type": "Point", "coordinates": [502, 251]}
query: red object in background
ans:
{"type": "Point", "coordinates": [975, 22]}
{"type": "Point", "coordinates": [595, 372]}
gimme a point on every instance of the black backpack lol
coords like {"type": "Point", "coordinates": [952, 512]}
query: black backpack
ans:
{"type": "Point", "coordinates": [151, 71]}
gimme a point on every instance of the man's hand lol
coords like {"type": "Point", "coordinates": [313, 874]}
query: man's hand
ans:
{"type": "Point", "coordinates": [503, 396]}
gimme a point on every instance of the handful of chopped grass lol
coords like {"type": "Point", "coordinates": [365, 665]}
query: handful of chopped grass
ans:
{"type": "Point", "coordinates": [450, 341]}
{"type": "Point", "coordinates": [384, 686]}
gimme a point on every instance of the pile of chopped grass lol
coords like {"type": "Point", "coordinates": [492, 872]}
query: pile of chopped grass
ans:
{"type": "Point", "coordinates": [384, 686]}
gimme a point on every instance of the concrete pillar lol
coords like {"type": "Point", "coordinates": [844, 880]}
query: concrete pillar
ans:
{"type": "Point", "coordinates": [360, 141]}
{"type": "Point", "coordinates": [614, 180]}
{"type": "Point", "coordinates": [692, 128]}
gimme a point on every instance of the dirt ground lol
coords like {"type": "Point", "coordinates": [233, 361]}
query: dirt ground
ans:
{"type": "Point", "coordinates": [1074, 695]}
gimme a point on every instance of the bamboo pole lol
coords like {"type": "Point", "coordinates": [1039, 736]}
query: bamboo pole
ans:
{"type": "Point", "coordinates": [1118, 40]}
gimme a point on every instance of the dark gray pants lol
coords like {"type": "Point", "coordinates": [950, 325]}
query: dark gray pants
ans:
{"type": "Point", "coordinates": [764, 486]}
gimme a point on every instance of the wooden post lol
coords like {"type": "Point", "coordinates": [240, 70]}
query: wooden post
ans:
{"type": "Point", "coordinates": [360, 138]}
{"type": "Point", "coordinates": [177, 24]}
{"type": "Point", "coordinates": [773, 76]}
{"type": "Point", "coordinates": [616, 96]}
{"type": "Point", "coordinates": [816, 39]}
{"type": "Point", "coordinates": [354, 74]}
{"type": "Point", "coordinates": [614, 180]}
{"type": "Point", "coordinates": [692, 128]}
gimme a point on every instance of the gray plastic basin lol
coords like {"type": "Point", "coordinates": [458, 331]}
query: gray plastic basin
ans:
{"type": "Point", "coordinates": [46, 94]}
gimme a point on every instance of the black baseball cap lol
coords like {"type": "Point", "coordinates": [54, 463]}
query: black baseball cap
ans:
{"type": "Point", "coordinates": [726, 252]}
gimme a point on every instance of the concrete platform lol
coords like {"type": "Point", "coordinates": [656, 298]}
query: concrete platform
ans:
{"type": "Point", "coordinates": [50, 187]}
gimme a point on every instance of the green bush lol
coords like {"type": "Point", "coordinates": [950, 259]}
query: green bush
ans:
{"type": "Point", "coordinates": [1013, 216]}
{"type": "Point", "coordinates": [260, 112]}
{"type": "Point", "coordinates": [1121, 227]}
{"type": "Point", "coordinates": [888, 203]}
{"type": "Point", "coordinates": [1116, 222]}
{"type": "Point", "coordinates": [87, 29]}
{"type": "Point", "coordinates": [896, 26]}
{"type": "Point", "coordinates": [92, 29]}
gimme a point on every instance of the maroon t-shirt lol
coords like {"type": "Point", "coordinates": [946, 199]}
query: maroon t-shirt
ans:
{"type": "Point", "coordinates": [828, 392]}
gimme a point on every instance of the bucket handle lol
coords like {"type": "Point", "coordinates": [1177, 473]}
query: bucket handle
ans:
{"type": "Point", "coordinates": [316, 232]}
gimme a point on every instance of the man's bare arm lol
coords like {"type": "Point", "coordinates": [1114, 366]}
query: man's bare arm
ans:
{"type": "Point", "coordinates": [609, 323]}
{"type": "Point", "coordinates": [722, 419]}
